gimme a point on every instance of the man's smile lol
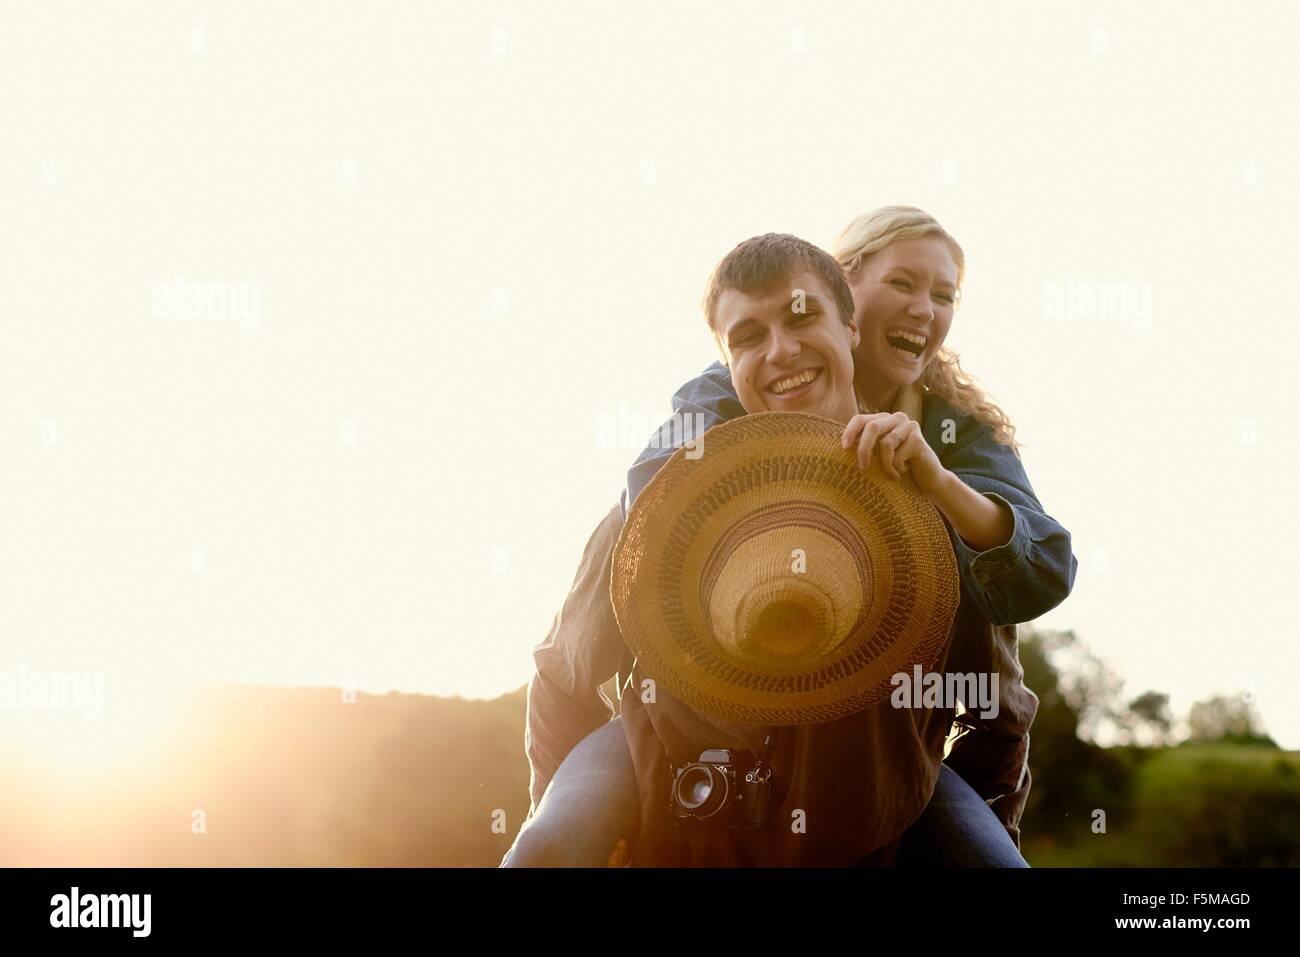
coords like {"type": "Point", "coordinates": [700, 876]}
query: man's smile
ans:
{"type": "Point", "coordinates": [794, 384]}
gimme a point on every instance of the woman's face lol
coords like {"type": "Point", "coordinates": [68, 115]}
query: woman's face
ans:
{"type": "Point", "coordinates": [903, 297]}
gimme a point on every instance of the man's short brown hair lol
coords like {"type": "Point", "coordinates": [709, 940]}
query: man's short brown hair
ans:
{"type": "Point", "coordinates": [758, 267]}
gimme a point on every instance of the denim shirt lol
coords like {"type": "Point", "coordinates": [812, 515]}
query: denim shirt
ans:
{"type": "Point", "coordinates": [1016, 582]}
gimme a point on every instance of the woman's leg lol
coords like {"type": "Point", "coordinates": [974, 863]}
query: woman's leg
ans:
{"type": "Point", "coordinates": [589, 804]}
{"type": "Point", "coordinates": [957, 829]}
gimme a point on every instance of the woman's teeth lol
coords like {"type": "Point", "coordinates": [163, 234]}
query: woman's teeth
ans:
{"type": "Point", "coordinates": [794, 381]}
{"type": "Point", "coordinates": [908, 345]}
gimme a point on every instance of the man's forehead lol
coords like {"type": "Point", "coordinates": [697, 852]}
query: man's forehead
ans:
{"type": "Point", "coordinates": [778, 298]}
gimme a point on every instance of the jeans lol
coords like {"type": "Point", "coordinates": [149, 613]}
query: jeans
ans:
{"type": "Point", "coordinates": [592, 801]}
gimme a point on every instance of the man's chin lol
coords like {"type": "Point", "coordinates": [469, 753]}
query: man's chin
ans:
{"type": "Point", "coordinates": [812, 407]}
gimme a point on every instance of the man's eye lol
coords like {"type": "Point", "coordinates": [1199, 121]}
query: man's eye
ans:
{"type": "Point", "coordinates": [801, 317]}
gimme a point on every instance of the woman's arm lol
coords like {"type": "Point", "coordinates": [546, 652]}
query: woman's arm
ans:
{"type": "Point", "coordinates": [1032, 570]}
{"type": "Point", "coordinates": [1014, 558]}
{"type": "Point", "coordinates": [983, 523]}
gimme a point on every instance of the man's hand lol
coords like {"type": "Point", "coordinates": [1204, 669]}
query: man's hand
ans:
{"type": "Point", "coordinates": [902, 448]}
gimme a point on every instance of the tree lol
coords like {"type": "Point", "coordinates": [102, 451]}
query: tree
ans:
{"type": "Point", "coordinates": [1088, 687]}
{"type": "Point", "coordinates": [1150, 712]}
{"type": "Point", "coordinates": [1224, 718]}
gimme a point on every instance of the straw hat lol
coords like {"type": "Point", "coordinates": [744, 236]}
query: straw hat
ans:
{"type": "Point", "coordinates": [770, 581]}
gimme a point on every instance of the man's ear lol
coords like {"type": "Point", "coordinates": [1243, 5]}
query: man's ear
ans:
{"type": "Point", "coordinates": [726, 359]}
{"type": "Point", "coordinates": [855, 336]}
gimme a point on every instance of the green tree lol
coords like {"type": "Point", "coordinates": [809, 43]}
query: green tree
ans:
{"type": "Point", "coordinates": [1150, 712]}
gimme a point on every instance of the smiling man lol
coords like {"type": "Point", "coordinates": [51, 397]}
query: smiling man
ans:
{"type": "Point", "coordinates": [783, 317]}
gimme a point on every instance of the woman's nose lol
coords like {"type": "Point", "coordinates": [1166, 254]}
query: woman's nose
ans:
{"type": "Point", "coordinates": [922, 308]}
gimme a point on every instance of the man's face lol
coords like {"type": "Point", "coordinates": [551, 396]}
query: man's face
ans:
{"type": "Point", "coordinates": [789, 352]}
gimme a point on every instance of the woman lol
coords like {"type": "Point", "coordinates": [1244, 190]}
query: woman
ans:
{"type": "Point", "coordinates": [905, 274]}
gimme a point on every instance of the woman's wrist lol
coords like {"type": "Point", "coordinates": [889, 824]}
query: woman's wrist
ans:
{"type": "Point", "coordinates": [978, 520]}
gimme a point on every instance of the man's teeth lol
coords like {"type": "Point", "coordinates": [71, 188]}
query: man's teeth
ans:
{"type": "Point", "coordinates": [785, 385]}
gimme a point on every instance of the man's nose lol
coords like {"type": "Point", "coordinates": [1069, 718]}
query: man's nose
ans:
{"type": "Point", "coordinates": [783, 347]}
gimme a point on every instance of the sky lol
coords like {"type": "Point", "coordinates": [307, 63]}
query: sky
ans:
{"type": "Point", "coordinates": [316, 315]}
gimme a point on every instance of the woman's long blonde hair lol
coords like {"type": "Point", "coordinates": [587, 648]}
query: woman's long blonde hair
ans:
{"type": "Point", "coordinates": [867, 235]}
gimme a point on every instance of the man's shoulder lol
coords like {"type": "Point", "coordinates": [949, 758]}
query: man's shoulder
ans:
{"type": "Point", "coordinates": [716, 372]}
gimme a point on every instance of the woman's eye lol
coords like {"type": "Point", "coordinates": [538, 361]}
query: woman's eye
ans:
{"type": "Point", "coordinates": [944, 297]}
{"type": "Point", "coordinates": [901, 283]}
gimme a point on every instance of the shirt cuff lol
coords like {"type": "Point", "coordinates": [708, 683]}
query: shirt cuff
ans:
{"type": "Point", "coordinates": [992, 562]}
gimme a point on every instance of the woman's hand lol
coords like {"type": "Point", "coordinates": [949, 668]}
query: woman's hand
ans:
{"type": "Point", "coordinates": [981, 522]}
{"type": "Point", "coordinates": [901, 446]}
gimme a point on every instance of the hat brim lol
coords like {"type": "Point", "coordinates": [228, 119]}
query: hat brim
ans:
{"type": "Point", "coordinates": [710, 556]}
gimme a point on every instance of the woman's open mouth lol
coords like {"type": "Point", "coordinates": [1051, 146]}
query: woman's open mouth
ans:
{"type": "Point", "coordinates": [793, 386]}
{"type": "Point", "coordinates": [905, 344]}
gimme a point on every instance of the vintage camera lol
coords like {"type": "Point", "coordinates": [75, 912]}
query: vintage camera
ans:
{"type": "Point", "coordinates": [715, 792]}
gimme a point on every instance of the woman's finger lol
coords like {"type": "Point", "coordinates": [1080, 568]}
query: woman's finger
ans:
{"type": "Point", "coordinates": [891, 443]}
{"type": "Point", "coordinates": [865, 444]}
{"type": "Point", "coordinates": [871, 435]}
{"type": "Point", "coordinates": [908, 450]}
{"type": "Point", "coordinates": [853, 430]}
{"type": "Point", "coordinates": [887, 444]}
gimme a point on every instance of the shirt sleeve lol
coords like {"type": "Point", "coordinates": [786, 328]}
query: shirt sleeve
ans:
{"type": "Point", "coordinates": [993, 755]}
{"type": "Point", "coordinates": [583, 650]}
{"type": "Point", "coordinates": [1034, 570]}
{"type": "Point", "coordinates": [699, 405]}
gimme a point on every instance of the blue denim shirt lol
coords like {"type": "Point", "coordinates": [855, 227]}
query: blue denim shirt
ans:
{"type": "Point", "coordinates": [1016, 582]}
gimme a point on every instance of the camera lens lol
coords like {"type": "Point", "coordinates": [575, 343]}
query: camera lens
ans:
{"type": "Point", "coordinates": [696, 788]}
{"type": "Point", "coordinates": [701, 790]}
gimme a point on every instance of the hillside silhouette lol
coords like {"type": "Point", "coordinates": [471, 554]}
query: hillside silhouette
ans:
{"type": "Point", "coordinates": [265, 776]}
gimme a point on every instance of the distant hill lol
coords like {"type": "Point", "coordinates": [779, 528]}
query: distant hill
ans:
{"type": "Point", "coordinates": [297, 777]}
{"type": "Point", "coordinates": [292, 777]}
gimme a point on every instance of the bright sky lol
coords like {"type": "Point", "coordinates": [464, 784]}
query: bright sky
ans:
{"type": "Point", "coordinates": [466, 233]}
